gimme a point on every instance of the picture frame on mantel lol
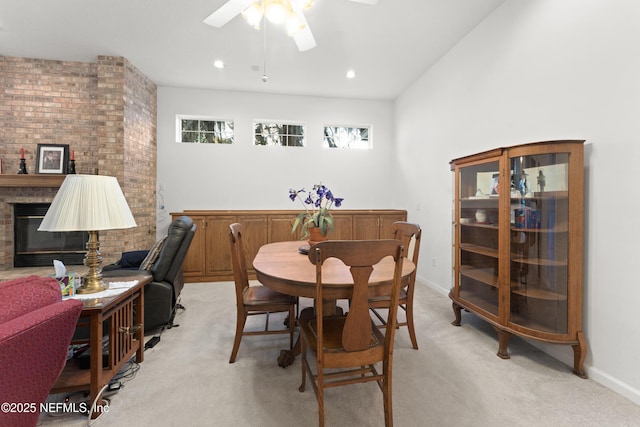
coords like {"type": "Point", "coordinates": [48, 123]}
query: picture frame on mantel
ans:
{"type": "Point", "coordinates": [52, 158]}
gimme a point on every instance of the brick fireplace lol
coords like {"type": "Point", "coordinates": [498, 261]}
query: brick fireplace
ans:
{"type": "Point", "coordinates": [106, 113]}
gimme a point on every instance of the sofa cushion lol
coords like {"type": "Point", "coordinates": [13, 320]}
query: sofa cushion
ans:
{"type": "Point", "coordinates": [35, 331]}
{"type": "Point", "coordinates": [34, 292]}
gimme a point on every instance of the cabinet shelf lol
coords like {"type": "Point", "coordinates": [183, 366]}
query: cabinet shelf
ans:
{"type": "Point", "coordinates": [538, 261]}
{"type": "Point", "coordinates": [532, 292]}
{"type": "Point", "coordinates": [477, 249]}
{"type": "Point", "coordinates": [481, 301]}
{"type": "Point", "coordinates": [546, 195]}
{"type": "Point", "coordinates": [488, 203]}
{"type": "Point", "coordinates": [557, 229]}
{"type": "Point", "coordinates": [524, 281]}
{"type": "Point", "coordinates": [484, 275]}
{"type": "Point", "coordinates": [479, 225]}
{"type": "Point", "coordinates": [536, 326]}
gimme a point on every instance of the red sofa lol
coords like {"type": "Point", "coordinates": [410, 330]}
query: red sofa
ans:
{"type": "Point", "coordinates": [36, 327]}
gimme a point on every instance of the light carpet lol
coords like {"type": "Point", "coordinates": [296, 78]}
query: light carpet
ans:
{"type": "Point", "coordinates": [454, 379]}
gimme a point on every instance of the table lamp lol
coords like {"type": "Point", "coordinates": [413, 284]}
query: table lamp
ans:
{"type": "Point", "coordinates": [89, 203]}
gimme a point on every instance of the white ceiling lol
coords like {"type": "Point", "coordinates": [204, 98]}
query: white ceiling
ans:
{"type": "Point", "coordinates": [389, 45]}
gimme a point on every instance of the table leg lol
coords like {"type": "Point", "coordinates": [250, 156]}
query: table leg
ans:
{"type": "Point", "coordinates": [140, 322]}
{"type": "Point", "coordinates": [95, 357]}
{"type": "Point", "coordinates": [287, 357]}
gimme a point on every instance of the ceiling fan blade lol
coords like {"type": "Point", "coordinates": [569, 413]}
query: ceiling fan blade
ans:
{"type": "Point", "coordinates": [366, 1]}
{"type": "Point", "coordinates": [303, 37]}
{"type": "Point", "coordinates": [227, 12]}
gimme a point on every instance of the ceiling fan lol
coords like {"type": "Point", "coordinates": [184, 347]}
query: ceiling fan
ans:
{"type": "Point", "coordinates": [289, 12]}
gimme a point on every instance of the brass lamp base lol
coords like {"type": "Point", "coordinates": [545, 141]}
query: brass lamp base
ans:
{"type": "Point", "coordinates": [91, 285]}
{"type": "Point", "coordinates": [92, 282]}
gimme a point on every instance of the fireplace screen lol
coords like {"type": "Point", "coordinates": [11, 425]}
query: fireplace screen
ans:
{"type": "Point", "coordinates": [33, 248]}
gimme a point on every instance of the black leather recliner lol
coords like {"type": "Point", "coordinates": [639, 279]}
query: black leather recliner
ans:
{"type": "Point", "coordinates": [162, 294]}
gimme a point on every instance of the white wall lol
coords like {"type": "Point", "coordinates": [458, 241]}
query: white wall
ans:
{"type": "Point", "coordinates": [539, 70]}
{"type": "Point", "coordinates": [534, 70]}
{"type": "Point", "coordinates": [244, 176]}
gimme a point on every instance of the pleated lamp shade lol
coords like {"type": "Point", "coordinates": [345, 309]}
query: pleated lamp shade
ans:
{"type": "Point", "coordinates": [88, 203]}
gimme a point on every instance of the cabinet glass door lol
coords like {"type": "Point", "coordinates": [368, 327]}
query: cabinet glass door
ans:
{"type": "Point", "coordinates": [478, 219]}
{"type": "Point", "coordinates": [539, 241]}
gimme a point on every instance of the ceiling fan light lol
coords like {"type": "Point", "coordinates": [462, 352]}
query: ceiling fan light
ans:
{"type": "Point", "coordinates": [253, 15]}
{"type": "Point", "coordinates": [277, 11]}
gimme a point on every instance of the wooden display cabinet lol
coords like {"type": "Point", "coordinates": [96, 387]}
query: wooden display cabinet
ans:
{"type": "Point", "coordinates": [518, 218]}
{"type": "Point", "coordinates": [209, 256]}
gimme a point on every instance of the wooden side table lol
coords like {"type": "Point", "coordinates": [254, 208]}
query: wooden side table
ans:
{"type": "Point", "coordinates": [124, 314]}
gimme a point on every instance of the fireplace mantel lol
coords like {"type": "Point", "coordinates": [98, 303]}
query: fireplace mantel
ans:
{"type": "Point", "coordinates": [42, 181]}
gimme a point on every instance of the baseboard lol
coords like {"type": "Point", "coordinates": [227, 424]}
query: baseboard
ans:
{"type": "Point", "coordinates": [434, 286]}
{"type": "Point", "coordinates": [615, 384]}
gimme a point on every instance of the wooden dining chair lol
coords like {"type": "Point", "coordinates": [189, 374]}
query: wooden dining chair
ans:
{"type": "Point", "coordinates": [407, 233]}
{"type": "Point", "coordinates": [255, 299]}
{"type": "Point", "coordinates": [350, 346]}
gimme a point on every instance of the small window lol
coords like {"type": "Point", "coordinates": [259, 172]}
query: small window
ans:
{"type": "Point", "coordinates": [204, 131]}
{"type": "Point", "coordinates": [347, 137]}
{"type": "Point", "coordinates": [278, 134]}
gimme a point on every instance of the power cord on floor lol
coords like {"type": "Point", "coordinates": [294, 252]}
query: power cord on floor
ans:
{"type": "Point", "coordinates": [176, 307]}
{"type": "Point", "coordinates": [128, 372]}
{"type": "Point", "coordinates": [153, 341]}
{"type": "Point", "coordinates": [70, 404]}
{"type": "Point", "coordinates": [89, 420]}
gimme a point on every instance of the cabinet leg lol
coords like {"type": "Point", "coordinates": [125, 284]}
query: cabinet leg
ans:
{"type": "Point", "coordinates": [579, 353]}
{"type": "Point", "coordinates": [457, 310]}
{"type": "Point", "coordinates": [503, 343]}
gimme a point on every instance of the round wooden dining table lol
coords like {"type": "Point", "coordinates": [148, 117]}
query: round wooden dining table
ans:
{"type": "Point", "coordinates": [281, 267]}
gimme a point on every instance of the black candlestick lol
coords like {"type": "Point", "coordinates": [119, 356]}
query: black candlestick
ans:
{"type": "Point", "coordinates": [72, 167]}
{"type": "Point", "coordinates": [23, 168]}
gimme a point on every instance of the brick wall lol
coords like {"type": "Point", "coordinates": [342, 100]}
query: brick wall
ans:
{"type": "Point", "coordinates": [105, 112]}
{"type": "Point", "coordinates": [140, 115]}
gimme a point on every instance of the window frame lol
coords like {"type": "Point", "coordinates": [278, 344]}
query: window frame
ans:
{"type": "Point", "coordinates": [348, 128]}
{"type": "Point", "coordinates": [180, 118]}
{"type": "Point", "coordinates": [286, 136]}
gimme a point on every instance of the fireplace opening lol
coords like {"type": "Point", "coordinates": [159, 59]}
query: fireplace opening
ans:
{"type": "Point", "coordinates": [33, 248]}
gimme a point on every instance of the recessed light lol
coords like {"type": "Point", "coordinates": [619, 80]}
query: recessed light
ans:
{"type": "Point", "coordinates": [351, 74]}
{"type": "Point", "coordinates": [218, 64]}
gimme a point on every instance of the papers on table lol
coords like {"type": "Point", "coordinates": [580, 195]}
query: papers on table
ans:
{"type": "Point", "coordinates": [115, 288]}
